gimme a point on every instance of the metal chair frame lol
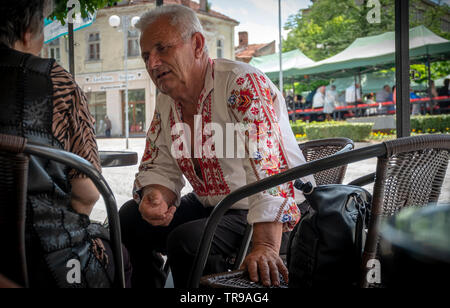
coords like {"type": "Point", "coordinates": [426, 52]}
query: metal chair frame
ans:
{"type": "Point", "coordinates": [383, 151]}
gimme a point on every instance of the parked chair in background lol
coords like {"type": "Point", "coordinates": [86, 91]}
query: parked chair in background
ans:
{"type": "Point", "coordinates": [317, 149]}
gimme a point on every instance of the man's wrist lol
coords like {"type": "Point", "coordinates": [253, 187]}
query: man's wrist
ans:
{"type": "Point", "coordinates": [268, 234]}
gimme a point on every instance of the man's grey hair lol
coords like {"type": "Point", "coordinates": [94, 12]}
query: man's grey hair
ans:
{"type": "Point", "coordinates": [182, 17]}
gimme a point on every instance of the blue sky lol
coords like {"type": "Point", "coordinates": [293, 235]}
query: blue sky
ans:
{"type": "Point", "coordinates": [258, 17]}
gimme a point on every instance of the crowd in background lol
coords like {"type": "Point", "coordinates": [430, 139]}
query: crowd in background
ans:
{"type": "Point", "coordinates": [326, 99]}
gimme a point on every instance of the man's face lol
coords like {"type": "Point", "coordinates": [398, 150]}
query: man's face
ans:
{"type": "Point", "coordinates": [387, 88]}
{"type": "Point", "coordinates": [167, 57]}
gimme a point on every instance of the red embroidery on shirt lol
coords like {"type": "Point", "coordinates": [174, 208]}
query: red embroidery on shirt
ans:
{"type": "Point", "coordinates": [213, 183]}
{"type": "Point", "coordinates": [151, 150]}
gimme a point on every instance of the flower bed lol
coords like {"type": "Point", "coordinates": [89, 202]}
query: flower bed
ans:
{"type": "Point", "coordinates": [431, 124]}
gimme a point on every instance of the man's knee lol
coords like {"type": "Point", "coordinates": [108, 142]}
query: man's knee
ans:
{"type": "Point", "coordinates": [185, 238]}
{"type": "Point", "coordinates": [128, 215]}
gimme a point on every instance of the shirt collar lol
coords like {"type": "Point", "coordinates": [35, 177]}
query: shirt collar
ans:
{"type": "Point", "coordinates": [209, 82]}
{"type": "Point", "coordinates": [207, 87]}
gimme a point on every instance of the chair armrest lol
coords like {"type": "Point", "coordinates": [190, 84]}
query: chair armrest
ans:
{"type": "Point", "coordinates": [364, 180]}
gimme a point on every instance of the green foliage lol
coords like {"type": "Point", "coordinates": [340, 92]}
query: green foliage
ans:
{"type": "Point", "coordinates": [299, 128]}
{"type": "Point", "coordinates": [330, 26]}
{"type": "Point", "coordinates": [305, 86]}
{"type": "Point", "coordinates": [330, 129]}
{"type": "Point", "coordinates": [438, 70]}
{"type": "Point", "coordinates": [431, 124]}
{"type": "Point", "coordinates": [86, 6]}
{"type": "Point", "coordinates": [353, 131]}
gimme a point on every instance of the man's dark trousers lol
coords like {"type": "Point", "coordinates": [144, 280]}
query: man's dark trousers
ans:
{"type": "Point", "coordinates": [179, 241]}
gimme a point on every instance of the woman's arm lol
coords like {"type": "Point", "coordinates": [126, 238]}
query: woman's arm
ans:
{"type": "Point", "coordinates": [84, 195]}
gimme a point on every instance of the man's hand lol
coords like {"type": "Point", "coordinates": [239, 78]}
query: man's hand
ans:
{"type": "Point", "coordinates": [264, 263]}
{"type": "Point", "coordinates": [154, 208]}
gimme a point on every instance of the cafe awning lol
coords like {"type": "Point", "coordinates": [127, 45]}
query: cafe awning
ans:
{"type": "Point", "coordinates": [270, 64]}
{"type": "Point", "coordinates": [377, 52]}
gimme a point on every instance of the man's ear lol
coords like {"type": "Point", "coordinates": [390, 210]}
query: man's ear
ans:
{"type": "Point", "coordinates": [27, 39]}
{"type": "Point", "coordinates": [198, 41]}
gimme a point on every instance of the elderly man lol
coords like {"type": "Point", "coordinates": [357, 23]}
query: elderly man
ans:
{"type": "Point", "coordinates": [200, 95]}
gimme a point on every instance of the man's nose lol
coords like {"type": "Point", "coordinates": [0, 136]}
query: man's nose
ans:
{"type": "Point", "coordinates": [153, 61]}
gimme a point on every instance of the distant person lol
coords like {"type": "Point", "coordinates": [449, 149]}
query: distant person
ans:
{"type": "Point", "coordinates": [318, 102]}
{"type": "Point", "coordinates": [309, 99]}
{"type": "Point", "coordinates": [298, 101]}
{"type": "Point", "coordinates": [393, 99]}
{"type": "Point", "coordinates": [432, 104]}
{"type": "Point", "coordinates": [319, 98]}
{"type": "Point", "coordinates": [340, 102]}
{"type": "Point", "coordinates": [384, 95]}
{"type": "Point", "coordinates": [434, 92]}
{"type": "Point", "coordinates": [108, 126]}
{"type": "Point", "coordinates": [444, 91]}
{"type": "Point", "coordinates": [330, 102]}
{"type": "Point", "coordinates": [341, 99]}
{"type": "Point", "coordinates": [353, 94]}
{"type": "Point", "coordinates": [415, 106]}
{"type": "Point", "coordinates": [370, 100]}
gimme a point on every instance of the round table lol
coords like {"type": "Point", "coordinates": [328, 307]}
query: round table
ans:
{"type": "Point", "coordinates": [118, 158]}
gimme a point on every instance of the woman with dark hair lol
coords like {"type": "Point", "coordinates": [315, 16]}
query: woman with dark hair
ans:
{"type": "Point", "coordinates": [42, 102]}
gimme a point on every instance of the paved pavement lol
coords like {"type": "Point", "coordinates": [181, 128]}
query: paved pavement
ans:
{"type": "Point", "coordinates": [121, 179]}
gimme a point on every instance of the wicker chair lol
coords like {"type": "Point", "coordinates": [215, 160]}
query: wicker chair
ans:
{"type": "Point", "coordinates": [317, 149]}
{"type": "Point", "coordinates": [312, 150]}
{"type": "Point", "coordinates": [6, 283]}
{"type": "Point", "coordinates": [410, 172]}
{"type": "Point", "coordinates": [14, 152]}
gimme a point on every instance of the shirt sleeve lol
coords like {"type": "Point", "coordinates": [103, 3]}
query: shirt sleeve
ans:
{"type": "Point", "coordinates": [158, 165]}
{"type": "Point", "coordinates": [253, 102]}
{"type": "Point", "coordinates": [73, 124]}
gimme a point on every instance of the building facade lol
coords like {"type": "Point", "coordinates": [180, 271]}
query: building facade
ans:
{"type": "Point", "coordinates": [100, 63]}
{"type": "Point", "coordinates": [245, 51]}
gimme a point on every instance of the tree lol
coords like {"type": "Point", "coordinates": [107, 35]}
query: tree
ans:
{"type": "Point", "coordinates": [86, 6]}
{"type": "Point", "coordinates": [331, 26]}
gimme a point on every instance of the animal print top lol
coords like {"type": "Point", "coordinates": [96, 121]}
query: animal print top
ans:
{"type": "Point", "coordinates": [73, 125]}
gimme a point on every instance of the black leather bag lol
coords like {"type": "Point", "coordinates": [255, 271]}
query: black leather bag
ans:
{"type": "Point", "coordinates": [326, 246]}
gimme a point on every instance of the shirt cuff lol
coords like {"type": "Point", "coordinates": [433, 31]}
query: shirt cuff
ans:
{"type": "Point", "coordinates": [274, 209]}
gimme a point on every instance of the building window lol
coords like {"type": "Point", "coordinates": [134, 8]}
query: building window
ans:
{"type": "Point", "coordinates": [219, 48]}
{"type": "Point", "coordinates": [94, 46]}
{"type": "Point", "coordinates": [97, 107]}
{"type": "Point", "coordinates": [133, 43]}
{"type": "Point", "coordinates": [54, 51]}
{"type": "Point", "coordinates": [136, 111]}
